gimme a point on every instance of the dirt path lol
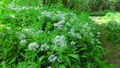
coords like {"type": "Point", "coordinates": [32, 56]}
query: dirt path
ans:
{"type": "Point", "coordinates": [113, 56]}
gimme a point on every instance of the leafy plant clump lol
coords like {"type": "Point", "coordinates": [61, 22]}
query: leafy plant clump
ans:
{"type": "Point", "coordinates": [49, 38]}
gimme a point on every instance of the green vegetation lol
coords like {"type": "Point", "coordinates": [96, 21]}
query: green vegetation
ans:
{"type": "Point", "coordinates": [110, 35]}
{"type": "Point", "coordinates": [111, 23]}
{"type": "Point", "coordinates": [55, 33]}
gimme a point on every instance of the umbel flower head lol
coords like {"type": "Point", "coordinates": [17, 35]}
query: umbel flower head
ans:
{"type": "Point", "coordinates": [52, 58]}
{"type": "Point", "coordinates": [44, 47]}
{"type": "Point", "coordinates": [23, 42]}
{"type": "Point", "coordinates": [33, 46]}
{"type": "Point", "coordinates": [59, 40]}
{"type": "Point", "coordinates": [20, 35]}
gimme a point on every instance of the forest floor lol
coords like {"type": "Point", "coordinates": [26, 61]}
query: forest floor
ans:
{"type": "Point", "coordinates": [113, 55]}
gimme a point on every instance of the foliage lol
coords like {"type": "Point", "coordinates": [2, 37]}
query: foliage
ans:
{"type": "Point", "coordinates": [113, 27]}
{"type": "Point", "coordinates": [82, 5]}
{"type": "Point", "coordinates": [88, 5]}
{"type": "Point", "coordinates": [36, 37]}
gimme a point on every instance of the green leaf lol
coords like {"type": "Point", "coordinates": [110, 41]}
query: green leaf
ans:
{"type": "Point", "coordinates": [62, 66]}
{"type": "Point", "coordinates": [54, 65]}
{"type": "Point", "coordinates": [75, 56]}
{"type": "Point", "coordinates": [12, 60]}
{"type": "Point", "coordinates": [67, 60]}
{"type": "Point", "coordinates": [88, 66]}
{"type": "Point", "coordinates": [41, 58]}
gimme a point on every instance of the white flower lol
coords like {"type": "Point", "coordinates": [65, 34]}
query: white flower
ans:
{"type": "Point", "coordinates": [39, 32]}
{"type": "Point", "coordinates": [48, 66]}
{"type": "Point", "coordinates": [23, 42]}
{"type": "Point", "coordinates": [11, 5]}
{"type": "Point", "coordinates": [28, 32]}
{"type": "Point", "coordinates": [59, 24]}
{"type": "Point", "coordinates": [33, 46]}
{"type": "Point", "coordinates": [59, 61]}
{"type": "Point", "coordinates": [78, 35]}
{"type": "Point", "coordinates": [46, 13]}
{"type": "Point", "coordinates": [98, 33]}
{"type": "Point", "coordinates": [73, 43]}
{"type": "Point", "coordinates": [72, 32]}
{"type": "Point", "coordinates": [20, 35]}
{"type": "Point", "coordinates": [8, 28]}
{"type": "Point", "coordinates": [44, 47]}
{"type": "Point", "coordinates": [85, 25]}
{"type": "Point", "coordinates": [52, 58]}
{"type": "Point", "coordinates": [60, 40]}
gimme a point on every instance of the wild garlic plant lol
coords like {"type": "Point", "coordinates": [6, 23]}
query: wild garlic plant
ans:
{"type": "Point", "coordinates": [49, 39]}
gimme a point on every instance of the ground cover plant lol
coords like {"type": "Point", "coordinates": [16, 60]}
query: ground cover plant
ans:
{"type": "Point", "coordinates": [48, 37]}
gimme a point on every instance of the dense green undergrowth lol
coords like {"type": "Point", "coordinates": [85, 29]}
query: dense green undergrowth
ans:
{"type": "Point", "coordinates": [110, 37]}
{"type": "Point", "coordinates": [111, 24]}
{"type": "Point", "coordinates": [113, 27]}
{"type": "Point", "coordinates": [36, 37]}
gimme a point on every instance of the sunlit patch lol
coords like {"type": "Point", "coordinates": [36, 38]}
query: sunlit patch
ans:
{"type": "Point", "coordinates": [107, 18]}
{"type": "Point", "coordinates": [2, 26]}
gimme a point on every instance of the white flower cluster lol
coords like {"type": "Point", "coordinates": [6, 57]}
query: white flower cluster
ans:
{"type": "Point", "coordinates": [39, 32]}
{"type": "Point", "coordinates": [52, 58]}
{"type": "Point", "coordinates": [61, 15]}
{"type": "Point", "coordinates": [86, 27]}
{"type": "Point", "coordinates": [33, 46]}
{"type": "Point", "coordinates": [20, 35]}
{"type": "Point", "coordinates": [54, 15]}
{"type": "Point", "coordinates": [59, 24]}
{"type": "Point", "coordinates": [74, 16]}
{"type": "Point", "coordinates": [48, 66]}
{"type": "Point", "coordinates": [59, 40]}
{"type": "Point", "coordinates": [72, 32]}
{"type": "Point", "coordinates": [28, 32]}
{"type": "Point", "coordinates": [73, 43]}
{"type": "Point", "coordinates": [44, 47]}
{"type": "Point", "coordinates": [46, 14]}
{"type": "Point", "coordinates": [9, 28]}
{"type": "Point", "coordinates": [14, 6]}
{"type": "Point", "coordinates": [23, 42]}
{"type": "Point", "coordinates": [98, 33]}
